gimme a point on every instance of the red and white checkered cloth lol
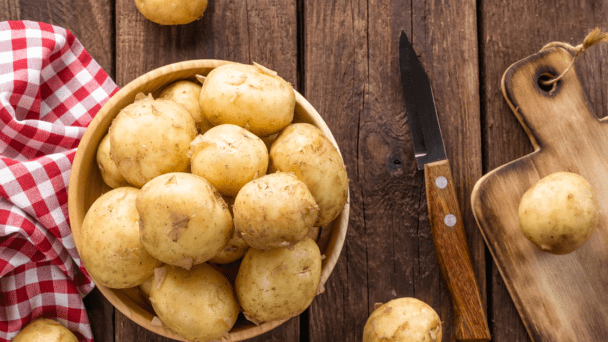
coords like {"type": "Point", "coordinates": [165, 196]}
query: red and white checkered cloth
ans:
{"type": "Point", "coordinates": [50, 89]}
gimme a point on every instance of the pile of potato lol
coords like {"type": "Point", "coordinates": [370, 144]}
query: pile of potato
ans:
{"type": "Point", "coordinates": [212, 175]}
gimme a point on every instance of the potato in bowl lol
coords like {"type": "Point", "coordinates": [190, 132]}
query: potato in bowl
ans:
{"type": "Point", "coordinates": [86, 185]}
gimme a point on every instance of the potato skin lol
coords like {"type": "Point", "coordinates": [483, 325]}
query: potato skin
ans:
{"type": "Point", "coordinates": [110, 245]}
{"type": "Point", "coordinates": [303, 149]}
{"type": "Point", "coordinates": [229, 156]}
{"type": "Point", "coordinates": [559, 213]}
{"type": "Point", "coordinates": [278, 283]}
{"type": "Point", "coordinates": [151, 137]}
{"type": "Point", "coordinates": [249, 96]}
{"type": "Point", "coordinates": [183, 220]}
{"type": "Point", "coordinates": [109, 171]}
{"type": "Point", "coordinates": [236, 247]}
{"type": "Point", "coordinates": [187, 93]}
{"type": "Point", "coordinates": [198, 304]}
{"type": "Point", "coordinates": [403, 320]}
{"type": "Point", "coordinates": [173, 12]}
{"type": "Point", "coordinates": [45, 330]}
{"type": "Point", "coordinates": [274, 211]}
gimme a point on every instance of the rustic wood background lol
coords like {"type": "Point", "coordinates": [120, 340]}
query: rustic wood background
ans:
{"type": "Point", "coordinates": [342, 56]}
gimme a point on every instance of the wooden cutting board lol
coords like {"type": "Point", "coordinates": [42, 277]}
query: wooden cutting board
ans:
{"type": "Point", "coordinates": [559, 297]}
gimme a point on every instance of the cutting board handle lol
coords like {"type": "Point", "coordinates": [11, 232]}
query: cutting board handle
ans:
{"type": "Point", "coordinates": [548, 114]}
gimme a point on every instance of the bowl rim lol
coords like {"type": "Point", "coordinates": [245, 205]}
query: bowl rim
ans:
{"type": "Point", "coordinates": [117, 297]}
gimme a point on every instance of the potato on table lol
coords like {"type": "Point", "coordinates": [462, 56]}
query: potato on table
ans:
{"type": "Point", "coordinates": [110, 245]}
{"type": "Point", "coordinates": [151, 137]}
{"type": "Point", "coordinates": [45, 330]}
{"type": "Point", "coordinates": [279, 283]}
{"type": "Point", "coordinates": [559, 213]}
{"type": "Point", "coordinates": [303, 149]}
{"type": "Point", "coordinates": [198, 304]}
{"type": "Point", "coordinates": [274, 211]}
{"type": "Point", "coordinates": [403, 320]}
{"type": "Point", "coordinates": [109, 171]}
{"type": "Point", "coordinates": [250, 96]}
{"type": "Point", "coordinates": [171, 12]}
{"type": "Point", "coordinates": [183, 220]}
{"type": "Point", "coordinates": [228, 156]}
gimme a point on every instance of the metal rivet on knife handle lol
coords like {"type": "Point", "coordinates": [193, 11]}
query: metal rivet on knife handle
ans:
{"type": "Point", "coordinates": [450, 220]}
{"type": "Point", "coordinates": [441, 182]}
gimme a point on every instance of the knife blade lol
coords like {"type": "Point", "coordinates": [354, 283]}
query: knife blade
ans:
{"type": "Point", "coordinates": [447, 228]}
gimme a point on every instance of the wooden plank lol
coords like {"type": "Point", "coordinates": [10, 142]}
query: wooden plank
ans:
{"type": "Point", "coordinates": [92, 23]}
{"type": "Point", "coordinates": [510, 31]}
{"type": "Point", "coordinates": [101, 316]}
{"type": "Point", "coordinates": [260, 31]}
{"type": "Point", "coordinates": [352, 79]}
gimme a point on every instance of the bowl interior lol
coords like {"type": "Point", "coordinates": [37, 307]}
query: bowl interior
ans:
{"type": "Point", "coordinates": [86, 185]}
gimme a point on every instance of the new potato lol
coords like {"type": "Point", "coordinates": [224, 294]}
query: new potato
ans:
{"type": "Point", "coordinates": [183, 220]}
{"type": "Point", "coordinates": [274, 211]}
{"type": "Point", "coordinates": [109, 171]}
{"type": "Point", "coordinates": [559, 213]}
{"type": "Point", "coordinates": [198, 304]}
{"type": "Point", "coordinates": [249, 96]}
{"type": "Point", "coordinates": [303, 149]}
{"type": "Point", "coordinates": [187, 93]}
{"type": "Point", "coordinates": [279, 283]}
{"type": "Point", "coordinates": [45, 330]}
{"type": "Point", "coordinates": [171, 12]}
{"type": "Point", "coordinates": [110, 245]}
{"type": "Point", "coordinates": [149, 138]}
{"type": "Point", "coordinates": [403, 320]}
{"type": "Point", "coordinates": [228, 156]}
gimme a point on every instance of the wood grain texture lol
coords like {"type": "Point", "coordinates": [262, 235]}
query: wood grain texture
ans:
{"type": "Point", "coordinates": [92, 22]}
{"type": "Point", "coordinates": [560, 298]}
{"type": "Point", "coordinates": [245, 32]}
{"type": "Point", "coordinates": [254, 30]}
{"type": "Point", "coordinates": [101, 316]}
{"type": "Point", "coordinates": [352, 78]}
{"type": "Point", "coordinates": [510, 31]}
{"type": "Point", "coordinates": [452, 250]}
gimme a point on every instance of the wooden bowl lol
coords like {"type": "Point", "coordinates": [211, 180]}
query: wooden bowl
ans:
{"type": "Point", "coordinates": [86, 185]}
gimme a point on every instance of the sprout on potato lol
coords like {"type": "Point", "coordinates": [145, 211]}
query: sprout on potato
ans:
{"type": "Point", "coordinates": [250, 96]}
{"type": "Point", "coordinates": [404, 320]}
{"type": "Point", "coordinates": [183, 220]}
{"type": "Point", "coordinates": [111, 249]}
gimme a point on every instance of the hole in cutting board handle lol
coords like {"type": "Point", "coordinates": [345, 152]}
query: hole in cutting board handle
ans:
{"type": "Point", "coordinates": [547, 88]}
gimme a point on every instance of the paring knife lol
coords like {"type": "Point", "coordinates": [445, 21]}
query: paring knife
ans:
{"type": "Point", "coordinates": [447, 227]}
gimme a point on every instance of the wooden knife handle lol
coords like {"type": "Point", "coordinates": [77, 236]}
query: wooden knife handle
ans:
{"type": "Point", "coordinates": [453, 253]}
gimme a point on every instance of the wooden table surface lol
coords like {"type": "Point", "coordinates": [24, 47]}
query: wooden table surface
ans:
{"type": "Point", "coordinates": [342, 56]}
